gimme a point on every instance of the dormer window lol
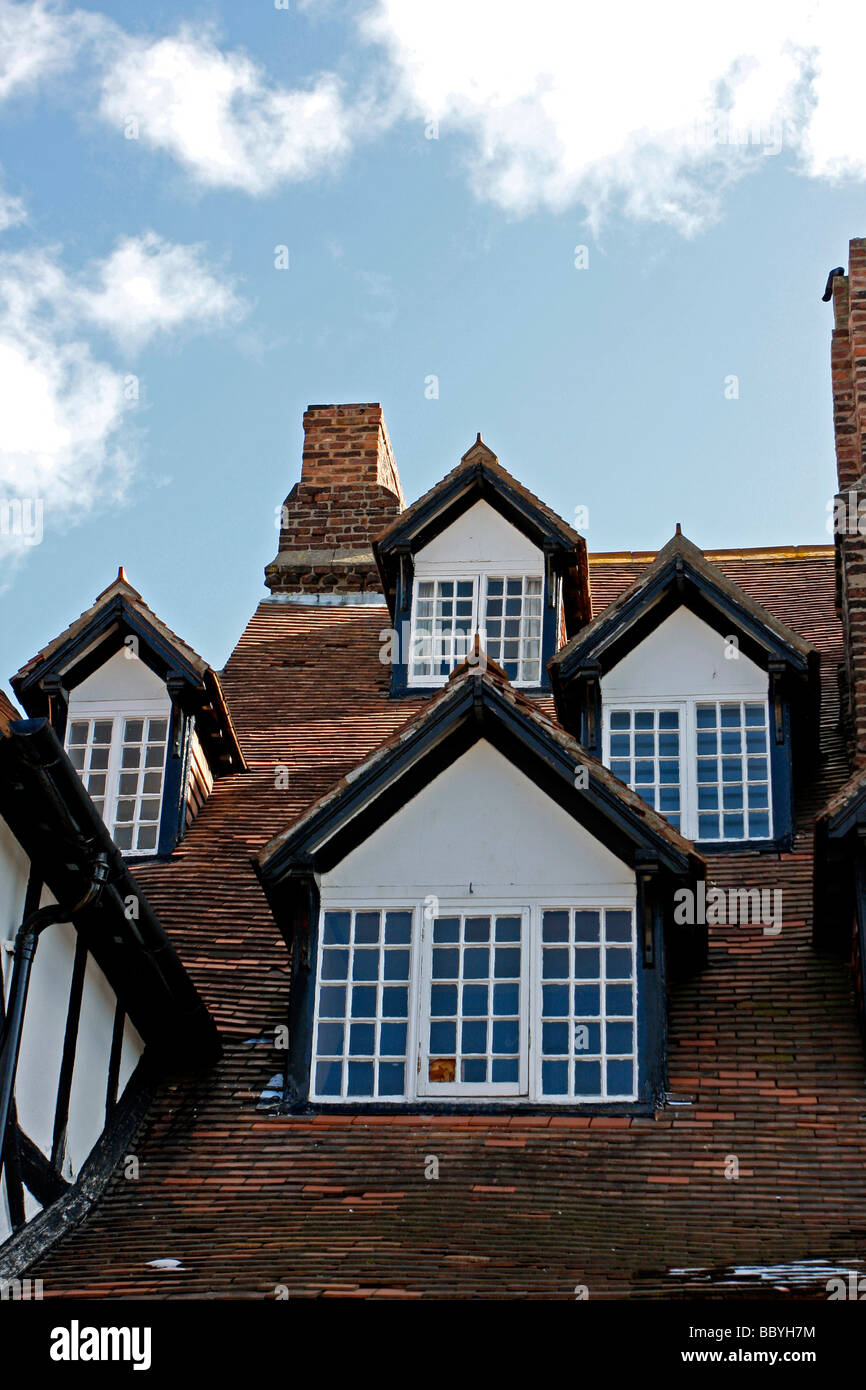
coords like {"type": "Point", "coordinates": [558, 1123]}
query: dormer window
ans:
{"type": "Point", "coordinates": [506, 611]}
{"type": "Point", "coordinates": [479, 555]}
{"type": "Point", "coordinates": [121, 761]}
{"type": "Point", "coordinates": [703, 764]}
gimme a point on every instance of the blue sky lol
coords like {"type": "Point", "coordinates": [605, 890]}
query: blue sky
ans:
{"type": "Point", "coordinates": [153, 258]}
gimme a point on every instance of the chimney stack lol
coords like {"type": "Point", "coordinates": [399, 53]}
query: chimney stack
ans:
{"type": "Point", "coordinates": [348, 494]}
{"type": "Point", "coordinates": [848, 364]}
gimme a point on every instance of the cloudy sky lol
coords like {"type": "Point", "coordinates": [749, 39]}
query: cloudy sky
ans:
{"type": "Point", "coordinates": [598, 234]}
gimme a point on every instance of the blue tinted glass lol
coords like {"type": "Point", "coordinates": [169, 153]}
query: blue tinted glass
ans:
{"type": "Point", "coordinates": [758, 796]}
{"type": "Point", "coordinates": [505, 1069]}
{"type": "Point", "coordinates": [586, 964]}
{"type": "Point", "coordinates": [620, 745]}
{"type": "Point", "coordinates": [757, 769]}
{"type": "Point", "coordinates": [669, 799]}
{"type": "Point", "coordinates": [644, 718]}
{"type": "Point", "coordinates": [395, 1003]}
{"type": "Point", "coordinates": [554, 1078]}
{"type": "Point", "coordinates": [586, 999]}
{"type": "Point", "coordinates": [734, 827]}
{"type": "Point", "coordinates": [620, 1078]}
{"type": "Point", "coordinates": [332, 1001]}
{"type": "Point", "coordinates": [508, 929]}
{"type": "Point", "coordinates": [446, 931]}
{"type": "Point", "coordinates": [620, 1037]}
{"type": "Point", "coordinates": [756, 741]}
{"type": "Point", "coordinates": [620, 719]}
{"type": "Point", "coordinates": [669, 745]}
{"type": "Point", "coordinates": [669, 771]}
{"type": "Point", "coordinates": [708, 770]}
{"type": "Point", "coordinates": [365, 965]}
{"type": "Point", "coordinates": [362, 1039]}
{"type": "Point", "coordinates": [708, 827]}
{"type": "Point", "coordinates": [732, 797]}
{"type": "Point", "coordinates": [398, 928]}
{"type": "Point", "coordinates": [669, 719]}
{"type": "Point", "coordinates": [476, 963]}
{"type": "Point", "coordinates": [755, 714]}
{"type": "Point", "coordinates": [506, 1036]}
{"type": "Point", "coordinates": [586, 926]}
{"type": "Point", "coordinates": [392, 1040]}
{"type": "Point", "coordinates": [587, 1078]}
{"type": "Point", "coordinates": [506, 998]}
{"type": "Point", "coordinates": [708, 743]}
{"type": "Point", "coordinates": [443, 1001]}
{"type": "Point", "coordinates": [336, 931]}
{"type": "Point", "coordinates": [367, 927]}
{"type": "Point", "coordinates": [329, 1077]}
{"type": "Point", "coordinates": [555, 963]}
{"type": "Point", "coordinates": [476, 929]}
{"type": "Point", "coordinates": [446, 964]}
{"type": "Point", "coordinates": [396, 965]}
{"type": "Point", "coordinates": [731, 741]}
{"type": "Point", "coordinates": [507, 962]}
{"type": "Point", "coordinates": [708, 798]}
{"type": "Point", "coordinates": [618, 999]}
{"type": "Point", "coordinates": [475, 1000]}
{"type": "Point", "coordinates": [732, 769]}
{"type": "Point", "coordinates": [554, 999]}
{"type": "Point", "coordinates": [335, 965]}
{"type": "Point", "coordinates": [364, 1001]}
{"type": "Point", "coordinates": [587, 1038]}
{"type": "Point", "coordinates": [643, 772]}
{"type": "Point", "coordinates": [706, 716]}
{"type": "Point", "coordinates": [474, 1069]}
{"type": "Point", "coordinates": [554, 1039]}
{"type": "Point", "coordinates": [730, 716]}
{"type": "Point", "coordinates": [330, 1040]}
{"type": "Point", "coordinates": [360, 1079]}
{"type": "Point", "coordinates": [618, 963]}
{"type": "Point", "coordinates": [391, 1079]}
{"type": "Point", "coordinates": [644, 745]}
{"type": "Point", "coordinates": [443, 1039]}
{"type": "Point", "coordinates": [554, 926]}
{"type": "Point", "coordinates": [617, 926]}
{"type": "Point", "coordinates": [621, 770]}
{"type": "Point", "coordinates": [759, 825]}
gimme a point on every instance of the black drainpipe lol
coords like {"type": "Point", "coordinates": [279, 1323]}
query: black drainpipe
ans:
{"type": "Point", "coordinates": [26, 941]}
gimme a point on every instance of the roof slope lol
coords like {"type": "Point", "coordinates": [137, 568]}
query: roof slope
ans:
{"type": "Point", "coordinates": [525, 1205]}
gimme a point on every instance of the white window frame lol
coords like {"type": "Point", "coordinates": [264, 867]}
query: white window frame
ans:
{"type": "Point", "coordinates": [479, 575]}
{"type": "Point", "coordinates": [117, 711]}
{"type": "Point", "coordinates": [687, 707]}
{"type": "Point", "coordinates": [420, 1089]}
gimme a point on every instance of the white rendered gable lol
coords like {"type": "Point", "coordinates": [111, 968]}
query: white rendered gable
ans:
{"type": "Point", "coordinates": [480, 539]}
{"type": "Point", "coordinates": [683, 657]}
{"type": "Point", "coordinates": [119, 679]}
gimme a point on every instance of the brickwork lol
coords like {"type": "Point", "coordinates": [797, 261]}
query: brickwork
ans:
{"type": "Point", "coordinates": [348, 494]}
{"type": "Point", "coordinates": [848, 363]}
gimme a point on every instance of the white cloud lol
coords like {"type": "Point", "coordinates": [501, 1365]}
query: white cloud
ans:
{"type": "Point", "coordinates": [218, 115]}
{"type": "Point", "coordinates": [64, 447]}
{"type": "Point", "coordinates": [656, 108]}
{"type": "Point", "coordinates": [36, 40]}
{"type": "Point", "coordinates": [148, 286]}
{"type": "Point", "coordinates": [12, 210]}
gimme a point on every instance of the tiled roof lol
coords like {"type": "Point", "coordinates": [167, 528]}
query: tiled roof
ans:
{"type": "Point", "coordinates": [764, 1053]}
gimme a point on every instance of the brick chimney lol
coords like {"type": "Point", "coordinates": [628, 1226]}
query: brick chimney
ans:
{"type": "Point", "coordinates": [348, 494]}
{"type": "Point", "coordinates": [848, 363]}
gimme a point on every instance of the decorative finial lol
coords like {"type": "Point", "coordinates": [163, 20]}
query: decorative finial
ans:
{"type": "Point", "coordinates": [679, 529]}
{"type": "Point", "coordinates": [478, 439]}
{"type": "Point", "coordinates": [121, 574]}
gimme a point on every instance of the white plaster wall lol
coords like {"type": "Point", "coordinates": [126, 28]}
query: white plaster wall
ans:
{"type": "Point", "coordinates": [481, 822]}
{"type": "Point", "coordinates": [682, 657]}
{"type": "Point", "coordinates": [14, 873]}
{"type": "Point", "coordinates": [90, 1075]}
{"type": "Point", "coordinates": [119, 678]}
{"type": "Point", "coordinates": [479, 539]}
{"type": "Point", "coordinates": [130, 1053]}
{"type": "Point", "coordinates": [43, 1032]}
